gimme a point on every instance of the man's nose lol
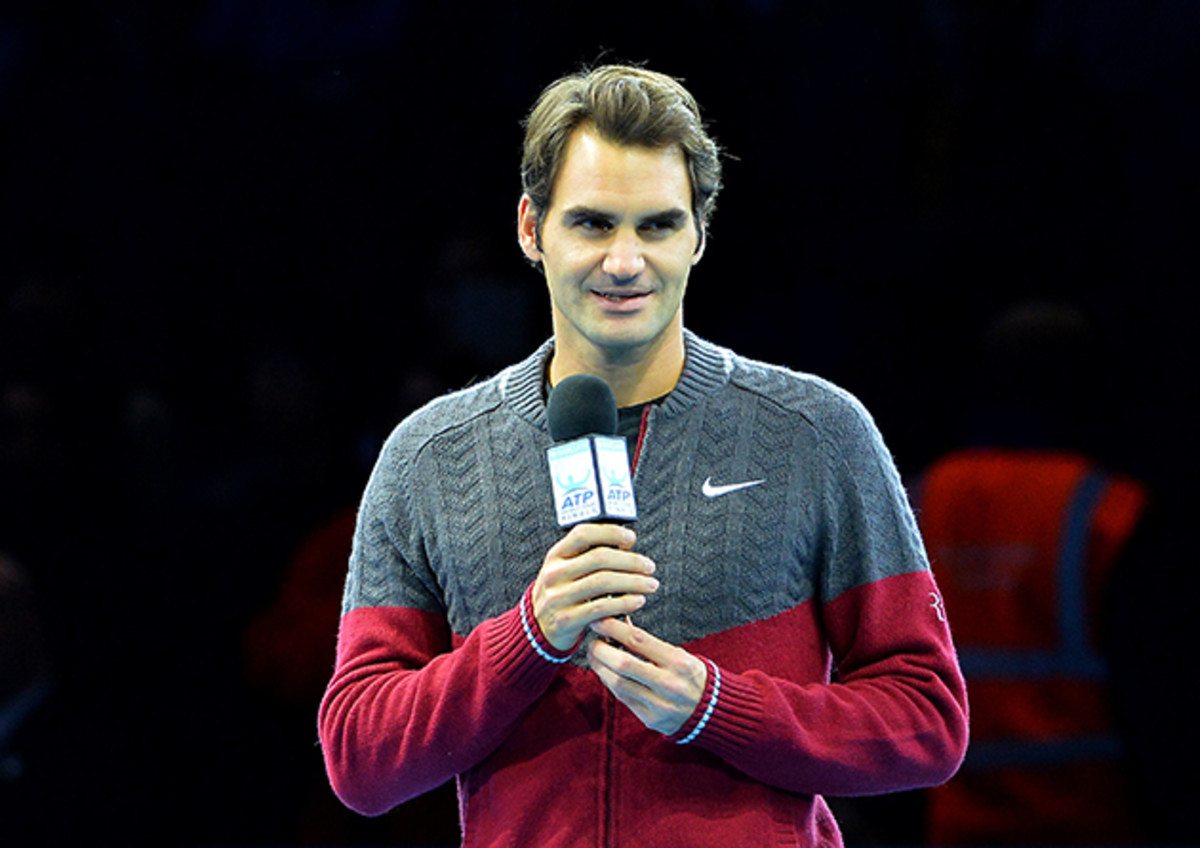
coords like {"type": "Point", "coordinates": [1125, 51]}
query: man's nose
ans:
{"type": "Point", "coordinates": [624, 259]}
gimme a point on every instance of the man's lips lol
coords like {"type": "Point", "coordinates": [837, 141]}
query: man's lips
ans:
{"type": "Point", "coordinates": [621, 301]}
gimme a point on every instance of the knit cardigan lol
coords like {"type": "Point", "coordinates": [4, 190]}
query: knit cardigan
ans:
{"type": "Point", "coordinates": [808, 595]}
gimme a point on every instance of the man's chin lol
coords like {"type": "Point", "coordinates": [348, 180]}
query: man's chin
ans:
{"type": "Point", "coordinates": [629, 345]}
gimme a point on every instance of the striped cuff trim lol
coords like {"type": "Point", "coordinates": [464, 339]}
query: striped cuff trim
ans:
{"type": "Point", "coordinates": [528, 625]}
{"type": "Point", "coordinates": [712, 704]}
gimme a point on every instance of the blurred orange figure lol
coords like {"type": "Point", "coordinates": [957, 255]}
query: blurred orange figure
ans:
{"type": "Point", "coordinates": [1025, 531]}
{"type": "Point", "coordinates": [1023, 543]}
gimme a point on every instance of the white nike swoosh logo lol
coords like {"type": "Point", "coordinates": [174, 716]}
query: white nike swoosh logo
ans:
{"type": "Point", "coordinates": [711, 491]}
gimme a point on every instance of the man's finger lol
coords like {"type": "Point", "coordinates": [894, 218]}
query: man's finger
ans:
{"type": "Point", "coordinates": [624, 664]}
{"type": "Point", "coordinates": [661, 698]}
{"type": "Point", "coordinates": [583, 537]}
{"type": "Point", "coordinates": [635, 639]}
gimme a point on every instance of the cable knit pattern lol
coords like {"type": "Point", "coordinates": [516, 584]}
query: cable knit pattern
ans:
{"type": "Point", "coordinates": [484, 495]}
{"type": "Point", "coordinates": [813, 562]}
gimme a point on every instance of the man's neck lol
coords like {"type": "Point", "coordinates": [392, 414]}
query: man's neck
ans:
{"type": "Point", "coordinates": [634, 378]}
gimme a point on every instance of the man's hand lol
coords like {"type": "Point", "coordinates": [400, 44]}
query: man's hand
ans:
{"type": "Point", "coordinates": [589, 574]}
{"type": "Point", "coordinates": [661, 683]}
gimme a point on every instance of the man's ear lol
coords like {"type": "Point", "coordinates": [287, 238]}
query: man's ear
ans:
{"type": "Point", "coordinates": [527, 229]}
{"type": "Point", "coordinates": [700, 243]}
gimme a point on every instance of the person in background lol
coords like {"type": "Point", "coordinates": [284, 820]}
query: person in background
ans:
{"type": "Point", "coordinates": [1026, 529]}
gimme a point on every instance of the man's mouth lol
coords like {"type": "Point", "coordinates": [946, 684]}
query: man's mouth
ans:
{"type": "Point", "coordinates": [620, 296]}
{"type": "Point", "coordinates": [621, 302]}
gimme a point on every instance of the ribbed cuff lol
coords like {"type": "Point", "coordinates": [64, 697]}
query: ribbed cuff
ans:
{"type": "Point", "coordinates": [705, 709]}
{"type": "Point", "coordinates": [728, 715]}
{"type": "Point", "coordinates": [518, 650]}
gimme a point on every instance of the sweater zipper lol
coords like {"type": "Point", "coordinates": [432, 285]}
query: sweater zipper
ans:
{"type": "Point", "coordinates": [637, 450]}
{"type": "Point", "coordinates": [609, 792]}
{"type": "Point", "coordinates": [610, 812]}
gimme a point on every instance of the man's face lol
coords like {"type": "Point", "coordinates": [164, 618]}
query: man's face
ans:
{"type": "Point", "coordinates": [617, 245]}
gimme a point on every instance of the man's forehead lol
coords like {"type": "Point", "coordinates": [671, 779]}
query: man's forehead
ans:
{"type": "Point", "coordinates": [596, 167]}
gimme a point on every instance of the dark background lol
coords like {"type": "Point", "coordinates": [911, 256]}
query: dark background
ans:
{"type": "Point", "coordinates": [241, 238]}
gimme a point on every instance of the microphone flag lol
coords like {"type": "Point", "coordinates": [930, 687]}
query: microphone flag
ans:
{"type": "Point", "coordinates": [591, 480]}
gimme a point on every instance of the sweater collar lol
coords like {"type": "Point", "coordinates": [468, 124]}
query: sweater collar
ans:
{"type": "Point", "coordinates": [706, 368]}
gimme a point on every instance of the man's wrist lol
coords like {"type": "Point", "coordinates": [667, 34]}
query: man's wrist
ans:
{"type": "Point", "coordinates": [537, 638]}
{"type": "Point", "coordinates": [695, 725]}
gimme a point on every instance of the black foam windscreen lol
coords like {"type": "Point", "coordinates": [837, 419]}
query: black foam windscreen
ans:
{"type": "Point", "coordinates": [581, 405]}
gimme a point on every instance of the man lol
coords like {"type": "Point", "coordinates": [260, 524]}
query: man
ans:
{"type": "Point", "coordinates": [663, 685]}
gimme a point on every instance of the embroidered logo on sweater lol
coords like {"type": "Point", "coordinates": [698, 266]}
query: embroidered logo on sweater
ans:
{"type": "Point", "coordinates": [711, 491]}
{"type": "Point", "coordinates": [936, 603]}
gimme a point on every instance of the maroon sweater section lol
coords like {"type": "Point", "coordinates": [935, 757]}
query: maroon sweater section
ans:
{"type": "Point", "coordinates": [412, 705]}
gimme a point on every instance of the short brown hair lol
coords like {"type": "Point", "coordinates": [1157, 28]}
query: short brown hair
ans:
{"type": "Point", "coordinates": [626, 105]}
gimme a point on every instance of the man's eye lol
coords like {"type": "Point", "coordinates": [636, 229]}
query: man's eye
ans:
{"type": "Point", "coordinates": [658, 228]}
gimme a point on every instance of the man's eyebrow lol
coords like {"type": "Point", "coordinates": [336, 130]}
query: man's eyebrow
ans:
{"type": "Point", "coordinates": [667, 217]}
{"type": "Point", "coordinates": [584, 213]}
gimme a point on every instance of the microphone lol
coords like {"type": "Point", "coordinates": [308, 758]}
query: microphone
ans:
{"type": "Point", "coordinates": [589, 464]}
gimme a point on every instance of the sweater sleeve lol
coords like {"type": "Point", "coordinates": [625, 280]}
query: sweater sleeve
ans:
{"type": "Point", "coordinates": [896, 717]}
{"type": "Point", "coordinates": [410, 705]}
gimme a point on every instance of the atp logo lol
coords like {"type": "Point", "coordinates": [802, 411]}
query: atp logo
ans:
{"type": "Point", "coordinates": [569, 482]}
{"type": "Point", "coordinates": [578, 499]}
{"type": "Point", "coordinates": [577, 491]}
{"type": "Point", "coordinates": [616, 475]}
{"type": "Point", "coordinates": [619, 490]}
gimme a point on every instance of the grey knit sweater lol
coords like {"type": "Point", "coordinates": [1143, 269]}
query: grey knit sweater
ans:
{"type": "Point", "coordinates": [441, 673]}
{"type": "Point", "coordinates": [469, 474]}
